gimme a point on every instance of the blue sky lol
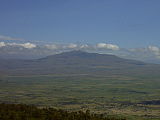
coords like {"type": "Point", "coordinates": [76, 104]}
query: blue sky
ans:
{"type": "Point", "coordinates": [127, 23]}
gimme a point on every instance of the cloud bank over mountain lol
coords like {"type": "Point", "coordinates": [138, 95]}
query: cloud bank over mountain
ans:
{"type": "Point", "coordinates": [25, 45]}
{"type": "Point", "coordinates": [31, 50]}
{"type": "Point", "coordinates": [107, 46]}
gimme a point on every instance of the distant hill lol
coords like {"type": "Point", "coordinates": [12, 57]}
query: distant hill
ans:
{"type": "Point", "coordinates": [77, 62]}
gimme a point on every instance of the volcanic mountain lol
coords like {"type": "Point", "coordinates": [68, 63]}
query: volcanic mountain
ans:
{"type": "Point", "coordinates": [77, 62]}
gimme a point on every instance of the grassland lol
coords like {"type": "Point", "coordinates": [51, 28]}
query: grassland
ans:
{"type": "Point", "coordinates": [136, 97]}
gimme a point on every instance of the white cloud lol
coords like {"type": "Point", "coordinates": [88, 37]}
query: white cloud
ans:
{"type": "Point", "coordinates": [2, 37]}
{"type": "Point", "coordinates": [154, 49]}
{"type": "Point", "coordinates": [2, 44]}
{"type": "Point", "coordinates": [28, 45]}
{"type": "Point", "coordinates": [107, 46]}
{"type": "Point", "coordinates": [84, 46]}
{"type": "Point", "coordinates": [25, 45]}
{"type": "Point", "coordinates": [72, 46]}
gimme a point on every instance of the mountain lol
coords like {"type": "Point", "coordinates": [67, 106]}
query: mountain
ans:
{"type": "Point", "coordinates": [78, 62]}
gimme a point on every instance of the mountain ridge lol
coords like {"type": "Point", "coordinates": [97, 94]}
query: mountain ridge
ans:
{"type": "Point", "coordinates": [77, 62]}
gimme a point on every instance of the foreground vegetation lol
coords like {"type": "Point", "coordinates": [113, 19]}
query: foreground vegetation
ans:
{"type": "Point", "coordinates": [129, 96]}
{"type": "Point", "coordinates": [26, 112]}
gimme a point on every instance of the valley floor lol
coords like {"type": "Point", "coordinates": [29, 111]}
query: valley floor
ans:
{"type": "Point", "coordinates": [134, 97]}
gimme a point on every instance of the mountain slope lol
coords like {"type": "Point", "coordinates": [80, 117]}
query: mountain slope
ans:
{"type": "Point", "coordinates": [78, 62]}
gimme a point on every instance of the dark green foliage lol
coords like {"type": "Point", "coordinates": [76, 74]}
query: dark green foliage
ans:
{"type": "Point", "coordinates": [26, 112]}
